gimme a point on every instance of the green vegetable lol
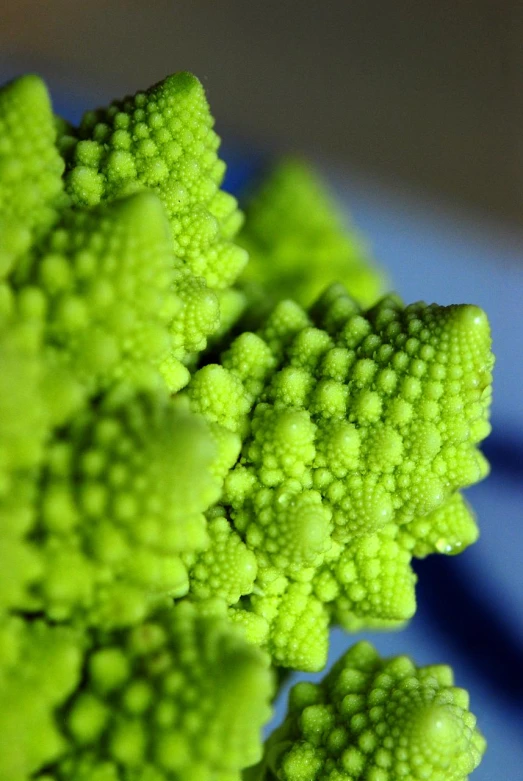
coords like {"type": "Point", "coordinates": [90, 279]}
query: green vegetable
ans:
{"type": "Point", "coordinates": [378, 720]}
{"type": "Point", "coordinates": [148, 710]}
{"type": "Point", "coordinates": [24, 424]}
{"type": "Point", "coordinates": [161, 550]}
{"type": "Point", "coordinates": [30, 168]}
{"type": "Point", "coordinates": [40, 667]}
{"type": "Point", "coordinates": [298, 243]}
{"type": "Point", "coordinates": [163, 140]}
{"type": "Point", "coordinates": [117, 505]}
{"type": "Point", "coordinates": [359, 428]}
{"type": "Point", "coordinates": [105, 279]}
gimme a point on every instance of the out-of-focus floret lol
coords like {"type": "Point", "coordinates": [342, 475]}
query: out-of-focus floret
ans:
{"type": "Point", "coordinates": [40, 667]}
{"type": "Point", "coordinates": [104, 284]}
{"type": "Point", "coordinates": [121, 496]}
{"type": "Point", "coordinates": [182, 696]}
{"type": "Point", "coordinates": [298, 243]}
{"type": "Point", "coordinates": [24, 424]}
{"type": "Point", "coordinates": [31, 188]}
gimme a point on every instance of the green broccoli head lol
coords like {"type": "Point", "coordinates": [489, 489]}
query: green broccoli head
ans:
{"type": "Point", "coordinates": [163, 140]}
{"type": "Point", "coordinates": [180, 696]}
{"type": "Point", "coordinates": [121, 495]}
{"type": "Point", "coordinates": [31, 188]}
{"type": "Point", "coordinates": [321, 454]}
{"type": "Point", "coordinates": [375, 719]}
{"type": "Point", "coordinates": [359, 428]}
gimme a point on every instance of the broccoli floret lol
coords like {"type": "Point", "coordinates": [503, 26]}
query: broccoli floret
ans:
{"type": "Point", "coordinates": [31, 188]}
{"type": "Point", "coordinates": [181, 696]}
{"type": "Point", "coordinates": [375, 719]}
{"type": "Point", "coordinates": [358, 428]}
{"type": "Point", "coordinates": [448, 529]}
{"type": "Point", "coordinates": [39, 669]}
{"type": "Point", "coordinates": [121, 496]}
{"type": "Point", "coordinates": [297, 634]}
{"type": "Point", "coordinates": [24, 425]}
{"type": "Point", "coordinates": [105, 280]}
{"type": "Point", "coordinates": [298, 243]}
{"type": "Point", "coordinates": [226, 569]}
{"type": "Point", "coordinates": [163, 140]}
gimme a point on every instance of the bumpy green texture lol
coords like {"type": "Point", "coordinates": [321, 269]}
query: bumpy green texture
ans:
{"type": "Point", "coordinates": [24, 424]}
{"type": "Point", "coordinates": [104, 277]}
{"type": "Point", "coordinates": [359, 428]}
{"type": "Point", "coordinates": [179, 697]}
{"type": "Point", "coordinates": [163, 140]}
{"type": "Point", "coordinates": [121, 495]}
{"type": "Point", "coordinates": [324, 452]}
{"type": "Point", "coordinates": [226, 569]}
{"type": "Point", "coordinates": [30, 167]}
{"type": "Point", "coordinates": [449, 529]}
{"type": "Point", "coordinates": [298, 243]}
{"type": "Point", "coordinates": [92, 304]}
{"type": "Point", "coordinates": [376, 720]}
{"type": "Point", "coordinates": [39, 669]}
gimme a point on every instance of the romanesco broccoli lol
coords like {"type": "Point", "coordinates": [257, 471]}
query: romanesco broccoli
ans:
{"type": "Point", "coordinates": [375, 719]}
{"type": "Point", "coordinates": [105, 278]}
{"type": "Point", "coordinates": [358, 429]}
{"type": "Point", "coordinates": [181, 696]}
{"type": "Point", "coordinates": [116, 506]}
{"type": "Point", "coordinates": [24, 424]}
{"type": "Point", "coordinates": [151, 539]}
{"type": "Point", "coordinates": [298, 243]}
{"type": "Point", "coordinates": [163, 140]}
{"type": "Point", "coordinates": [40, 667]}
{"type": "Point", "coordinates": [31, 168]}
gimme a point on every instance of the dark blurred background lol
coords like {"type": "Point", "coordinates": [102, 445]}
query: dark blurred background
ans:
{"type": "Point", "coordinates": [427, 92]}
